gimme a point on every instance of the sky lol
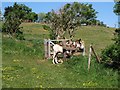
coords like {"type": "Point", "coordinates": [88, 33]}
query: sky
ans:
{"type": "Point", "coordinates": [104, 9]}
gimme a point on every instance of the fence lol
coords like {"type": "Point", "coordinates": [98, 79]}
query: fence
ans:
{"type": "Point", "coordinates": [89, 59]}
{"type": "Point", "coordinates": [48, 47]}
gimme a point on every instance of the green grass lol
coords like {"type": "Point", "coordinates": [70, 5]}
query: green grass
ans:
{"type": "Point", "coordinates": [99, 37]}
{"type": "Point", "coordinates": [24, 65]}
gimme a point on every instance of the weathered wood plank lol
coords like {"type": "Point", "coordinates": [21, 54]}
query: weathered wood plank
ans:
{"type": "Point", "coordinates": [69, 48]}
{"type": "Point", "coordinates": [97, 58]}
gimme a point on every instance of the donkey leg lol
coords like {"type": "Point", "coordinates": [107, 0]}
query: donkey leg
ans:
{"type": "Point", "coordinates": [53, 61]}
{"type": "Point", "coordinates": [56, 60]}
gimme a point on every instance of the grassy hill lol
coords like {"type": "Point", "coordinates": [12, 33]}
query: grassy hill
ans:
{"type": "Point", "coordinates": [24, 64]}
{"type": "Point", "coordinates": [99, 36]}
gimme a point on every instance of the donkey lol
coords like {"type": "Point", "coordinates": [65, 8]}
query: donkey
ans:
{"type": "Point", "coordinates": [80, 46]}
{"type": "Point", "coordinates": [59, 49]}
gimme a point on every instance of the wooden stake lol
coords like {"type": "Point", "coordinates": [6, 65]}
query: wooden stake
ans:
{"type": "Point", "coordinates": [49, 49]}
{"type": "Point", "coordinates": [89, 59]}
{"type": "Point", "coordinates": [45, 47]}
{"type": "Point", "coordinates": [97, 58]}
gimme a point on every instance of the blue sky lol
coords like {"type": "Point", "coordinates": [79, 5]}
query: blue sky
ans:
{"type": "Point", "coordinates": [104, 9]}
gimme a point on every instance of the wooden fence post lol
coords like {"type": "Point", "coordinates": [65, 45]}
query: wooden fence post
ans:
{"type": "Point", "coordinates": [48, 48]}
{"type": "Point", "coordinates": [84, 52]}
{"type": "Point", "coordinates": [89, 59]}
{"type": "Point", "coordinates": [97, 58]}
{"type": "Point", "coordinates": [45, 48]}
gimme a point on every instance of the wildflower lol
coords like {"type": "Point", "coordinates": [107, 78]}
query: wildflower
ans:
{"type": "Point", "coordinates": [17, 76]}
{"type": "Point", "coordinates": [8, 68]}
{"type": "Point", "coordinates": [40, 86]}
{"type": "Point", "coordinates": [34, 70]}
{"type": "Point", "coordinates": [90, 84]}
{"type": "Point", "coordinates": [16, 60]}
{"type": "Point", "coordinates": [37, 76]}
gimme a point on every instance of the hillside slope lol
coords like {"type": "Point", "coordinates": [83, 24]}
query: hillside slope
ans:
{"type": "Point", "coordinates": [24, 66]}
{"type": "Point", "coordinates": [99, 36]}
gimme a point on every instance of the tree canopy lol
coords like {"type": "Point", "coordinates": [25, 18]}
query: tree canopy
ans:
{"type": "Point", "coordinates": [116, 8]}
{"type": "Point", "coordinates": [41, 17]}
{"type": "Point", "coordinates": [14, 16]}
{"type": "Point", "coordinates": [22, 12]}
{"type": "Point", "coordinates": [65, 21]}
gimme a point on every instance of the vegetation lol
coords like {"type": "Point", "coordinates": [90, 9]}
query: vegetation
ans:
{"type": "Point", "coordinates": [24, 65]}
{"type": "Point", "coordinates": [67, 19]}
{"type": "Point", "coordinates": [117, 8]}
{"type": "Point", "coordinates": [112, 53]}
{"type": "Point", "coordinates": [41, 17]}
{"type": "Point", "coordinates": [14, 16]}
{"type": "Point", "coordinates": [23, 12]}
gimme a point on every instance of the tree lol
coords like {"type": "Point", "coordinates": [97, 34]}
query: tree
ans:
{"type": "Point", "coordinates": [116, 10]}
{"type": "Point", "coordinates": [14, 16]}
{"type": "Point", "coordinates": [31, 17]}
{"type": "Point", "coordinates": [23, 12]}
{"type": "Point", "coordinates": [88, 14]}
{"type": "Point", "coordinates": [41, 17]}
{"type": "Point", "coordinates": [117, 31]}
{"type": "Point", "coordinates": [64, 22]}
{"type": "Point", "coordinates": [0, 15]}
{"type": "Point", "coordinates": [112, 53]}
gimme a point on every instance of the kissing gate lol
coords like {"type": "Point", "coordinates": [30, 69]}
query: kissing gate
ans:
{"type": "Point", "coordinates": [48, 47]}
{"type": "Point", "coordinates": [49, 50]}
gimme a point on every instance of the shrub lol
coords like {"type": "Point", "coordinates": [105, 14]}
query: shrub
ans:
{"type": "Point", "coordinates": [111, 56]}
{"type": "Point", "coordinates": [19, 35]}
{"type": "Point", "coordinates": [45, 27]}
{"type": "Point", "coordinates": [110, 53]}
